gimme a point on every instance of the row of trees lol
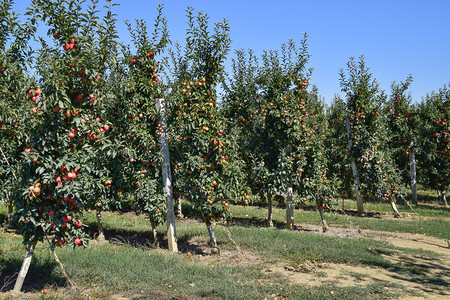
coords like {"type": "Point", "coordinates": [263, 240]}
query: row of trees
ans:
{"type": "Point", "coordinates": [80, 130]}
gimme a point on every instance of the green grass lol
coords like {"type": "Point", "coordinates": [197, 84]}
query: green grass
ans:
{"type": "Point", "coordinates": [125, 270]}
{"type": "Point", "coordinates": [132, 268]}
{"type": "Point", "coordinates": [433, 222]}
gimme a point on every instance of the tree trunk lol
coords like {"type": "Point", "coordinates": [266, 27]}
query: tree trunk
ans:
{"type": "Point", "coordinates": [212, 236]}
{"type": "Point", "coordinates": [356, 181]}
{"type": "Point", "coordinates": [180, 211]}
{"type": "Point", "coordinates": [155, 236]}
{"type": "Point", "coordinates": [324, 222]}
{"type": "Point", "coordinates": [269, 210]}
{"type": "Point", "coordinates": [289, 209]}
{"type": "Point", "coordinates": [412, 171]}
{"type": "Point", "coordinates": [101, 231]}
{"type": "Point", "coordinates": [25, 266]}
{"type": "Point", "coordinates": [445, 199]}
{"type": "Point", "coordinates": [394, 208]}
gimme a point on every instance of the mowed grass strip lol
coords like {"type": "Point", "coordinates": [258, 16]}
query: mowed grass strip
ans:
{"type": "Point", "coordinates": [437, 227]}
{"type": "Point", "coordinates": [110, 269]}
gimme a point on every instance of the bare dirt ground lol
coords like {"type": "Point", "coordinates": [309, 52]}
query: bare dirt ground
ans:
{"type": "Point", "coordinates": [342, 275]}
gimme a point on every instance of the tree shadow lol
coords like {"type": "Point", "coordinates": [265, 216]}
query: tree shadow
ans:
{"type": "Point", "coordinates": [42, 271]}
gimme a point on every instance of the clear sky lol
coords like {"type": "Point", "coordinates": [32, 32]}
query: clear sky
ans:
{"type": "Point", "coordinates": [397, 37]}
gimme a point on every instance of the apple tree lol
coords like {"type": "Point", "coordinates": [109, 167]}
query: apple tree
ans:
{"type": "Point", "coordinates": [434, 141]}
{"type": "Point", "coordinates": [141, 126]}
{"type": "Point", "coordinates": [402, 127]}
{"type": "Point", "coordinates": [337, 148]}
{"type": "Point", "coordinates": [202, 157]}
{"type": "Point", "coordinates": [376, 176]}
{"type": "Point", "coordinates": [16, 116]}
{"type": "Point", "coordinates": [67, 99]}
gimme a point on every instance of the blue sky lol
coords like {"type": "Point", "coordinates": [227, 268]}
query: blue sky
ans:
{"type": "Point", "coordinates": [397, 37]}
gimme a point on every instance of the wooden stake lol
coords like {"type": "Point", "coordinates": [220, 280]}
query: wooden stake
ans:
{"type": "Point", "coordinates": [412, 171]}
{"type": "Point", "coordinates": [269, 210]}
{"type": "Point", "coordinates": [167, 178]}
{"type": "Point", "coordinates": [289, 209]}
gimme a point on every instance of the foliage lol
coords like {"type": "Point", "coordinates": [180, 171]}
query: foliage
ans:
{"type": "Point", "coordinates": [203, 160]}
{"type": "Point", "coordinates": [402, 127]}
{"type": "Point", "coordinates": [68, 131]}
{"type": "Point", "coordinates": [434, 140]}
{"type": "Point", "coordinates": [379, 176]}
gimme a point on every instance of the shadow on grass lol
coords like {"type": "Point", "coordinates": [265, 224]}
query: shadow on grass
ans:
{"type": "Point", "coordinates": [145, 240]}
{"type": "Point", "coordinates": [41, 273]}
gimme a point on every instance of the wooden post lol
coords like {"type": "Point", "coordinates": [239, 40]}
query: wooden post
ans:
{"type": "Point", "coordinates": [356, 181]}
{"type": "Point", "coordinates": [269, 209]}
{"type": "Point", "coordinates": [289, 209]}
{"type": "Point", "coordinates": [167, 178]}
{"type": "Point", "coordinates": [412, 171]}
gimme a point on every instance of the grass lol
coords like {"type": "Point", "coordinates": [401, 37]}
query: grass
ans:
{"type": "Point", "coordinates": [431, 221]}
{"type": "Point", "coordinates": [131, 267]}
{"type": "Point", "coordinates": [125, 270]}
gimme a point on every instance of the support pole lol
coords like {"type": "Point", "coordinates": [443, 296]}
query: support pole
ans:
{"type": "Point", "coordinates": [356, 181]}
{"type": "Point", "coordinates": [167, 178]}
{"type": "Point", "coordinates": [289, 209]}
{"type": "Point", "coordinates": [412, 171]}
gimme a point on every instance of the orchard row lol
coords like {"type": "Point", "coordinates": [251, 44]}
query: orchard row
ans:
{"type": "Point", "coordinates": [80, 131]}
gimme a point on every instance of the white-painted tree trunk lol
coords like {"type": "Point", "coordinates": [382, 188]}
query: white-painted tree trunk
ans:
{"type": "Point", "coordinates": [155, 235]}
{"type": "Point", "coordinates": [25, 266]}
{"type": "Point", "coordinates": [180, 211]}
{"type": "Point", "coordinates": [324, 222]}
{"type": "Point", "coordinates": [289, 209]}
{"type": "Point", "coordinates": [101, 231]}
{"type": "Point", "coordinates": [394, 208]}
{"type": "Point", "coordinates": [212, 236]}
{"type": "Point", "coordinates": [167, 178]}
{"type": "Point", "coordinates": [269, 210]}
{"type": "Point", "coordinates": [356, 181]}
{"type": "Point", "coordinates": [445, 199]}
{"type": "Point", "coordinates": [412, 171]}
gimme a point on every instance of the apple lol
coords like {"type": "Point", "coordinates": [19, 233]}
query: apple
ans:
{"type": "Point", "coordinates": [37, 191]}
{"type": "Point", "coordinates": [71, 135]}
{"type": "Point", "coordinates": [106, 127]}
{"type": "Point", "coordinates": [78, 224]}
{"type": "Point", "coordinates": [78, 242]}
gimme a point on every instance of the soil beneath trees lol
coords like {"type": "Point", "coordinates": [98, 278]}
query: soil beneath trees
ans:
{"type": "Point", "coordinates": [315, 274]}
